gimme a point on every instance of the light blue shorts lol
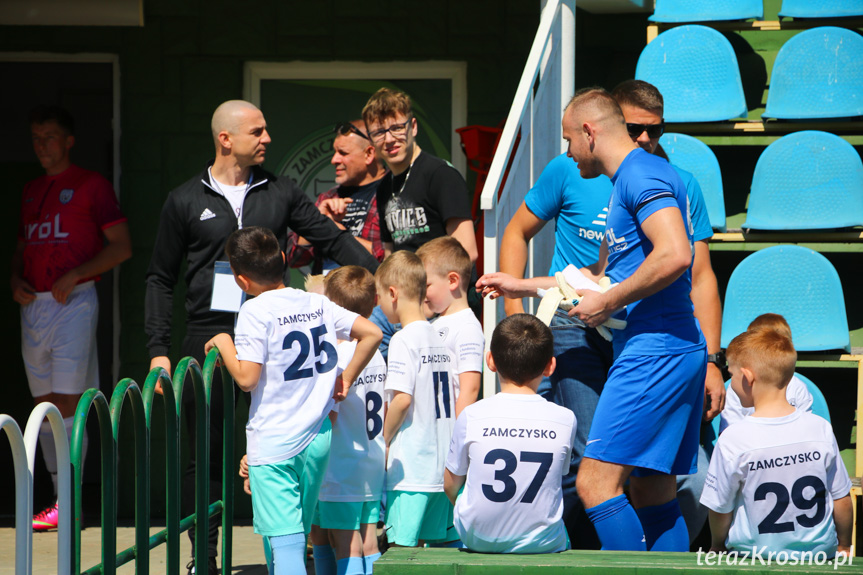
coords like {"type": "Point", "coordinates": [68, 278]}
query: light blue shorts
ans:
{"type": "Point", "coordinates": [348, 515]}
{"type": "Point", "coordinates": [412, 516]}
{"type": "Point", "coordinates": [284, 494]}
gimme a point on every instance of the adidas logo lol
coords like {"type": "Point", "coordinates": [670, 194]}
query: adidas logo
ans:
{"type": "Point", "coordinates": [207, 214]}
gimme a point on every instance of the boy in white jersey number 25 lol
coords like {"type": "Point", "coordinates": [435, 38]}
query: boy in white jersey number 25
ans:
{"type": "Point", "coordinates": [285, 354]}
{"type": "Point", "coordinates": [510, 451]}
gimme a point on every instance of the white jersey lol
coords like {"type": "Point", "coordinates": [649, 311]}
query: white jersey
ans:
{"type": "Point", "coordinates": [462, 334]}
{"type": "Point", "coordinates": [779, 476]}
{"type": "Point", "coordinates": [796, 393]}
{"type": "Point", "coordinates": [293, 335]}
{"type": "Point", "coordinates": [357, 448]}
{"type": "Point", "coordinates": [419, 364]}
{"type": "Point", "coordinates": [514, 450]}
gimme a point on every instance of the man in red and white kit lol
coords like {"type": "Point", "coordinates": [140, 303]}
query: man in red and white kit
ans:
{"type": "Point", "coordinates": [71, 230]}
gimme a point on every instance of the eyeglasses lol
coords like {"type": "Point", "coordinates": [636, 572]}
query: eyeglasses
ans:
{"type": "Point", "coordinates": [398, 131]}
{"type": "Point", "coordinates": [653, 130]}
{"type": "Point", "coordinates": [345, 128]}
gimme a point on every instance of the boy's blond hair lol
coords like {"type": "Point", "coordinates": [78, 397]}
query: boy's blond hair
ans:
{"type": "Point", "coordinates": [444, 255]}
{"type": "Point", "coordinates": [386, 103]}
{"type": "Point", "coordinates": [768, 353]}
{"type": "Point", "coordinates": [404, 271]}
{"type": "Point", "coordinates": [353, 288]}
{"type": "Point", "coordinates": [314, 283]}
{"type": "Point", "coordinates": [772, 322]}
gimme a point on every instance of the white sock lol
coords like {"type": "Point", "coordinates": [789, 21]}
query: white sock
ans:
{"type": "Point", "coordinates": [49, 452]}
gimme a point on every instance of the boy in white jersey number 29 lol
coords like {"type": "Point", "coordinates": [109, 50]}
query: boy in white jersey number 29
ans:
{"type": "Point", "coordinates": [285, 354]}
{"type": "Point", "coordinates": [776, 484]}
{"type": "Point", "coordinates": [510, 451]}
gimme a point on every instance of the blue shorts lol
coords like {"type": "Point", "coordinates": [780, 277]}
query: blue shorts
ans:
{"type": "Point", "coordinates": [413, 516]}
{"type": "Point", "coordinates": [347, 515]}
{"type": "Point", "coordinates": [649, 413]}
{"type": "Point", "coordinates": [284, 494]}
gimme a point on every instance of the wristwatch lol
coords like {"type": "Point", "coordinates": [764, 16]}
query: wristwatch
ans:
{"type": "Point", "coordinates": [718, 359]}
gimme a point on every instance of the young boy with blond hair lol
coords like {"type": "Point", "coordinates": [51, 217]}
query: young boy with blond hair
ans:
{"type": "Point", "coordinates": [420, 412]}
{"type": "Point", "coordinates": [350, 495]}
{"type": "Point", "coordinates": [285, 355]}
{"type": "Point", "coordinates": [796, 393]}
{"type": "Point", "coordinates": [776, 481]}
{"type": "Point", "coordinates": [448, 268]}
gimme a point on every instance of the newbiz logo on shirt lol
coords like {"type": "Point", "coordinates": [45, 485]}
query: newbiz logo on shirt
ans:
{"type": "Point", "coordinates": [595, 235]}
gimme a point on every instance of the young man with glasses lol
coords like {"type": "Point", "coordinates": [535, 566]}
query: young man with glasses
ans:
{"type": "Point", "coordinates": [352, 204]}
{"type": "Point", "coordinates": [423, 197]}
{"type": "Point", "coordinates": [579, 208]}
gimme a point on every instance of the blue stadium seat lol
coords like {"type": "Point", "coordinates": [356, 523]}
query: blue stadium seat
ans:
{"type": "Point", "coordinates": [817, 74]}
{"type": "Point", "coordinates": [706, 10]}
{"type": "Point", "coordinates": [696, 70]}
{"type": "Point", "coordinates": [820, 8]}
{"type": "Point", "coordinates": [819, 404]}
{"type": "Point", "coordinates": [808, 180]}
{"type": "Point", "coordinates": [696, 157]}
{"type": "Point", "coordinates": [796, 282]}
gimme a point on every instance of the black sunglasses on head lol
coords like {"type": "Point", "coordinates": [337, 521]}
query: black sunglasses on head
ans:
{"type": "Point", "coordinates": [653, 130]}
{"type": "Point", "coordinates": [345, 128]}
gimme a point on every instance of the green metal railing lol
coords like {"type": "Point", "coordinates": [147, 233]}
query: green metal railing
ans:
{"type": "Point", "coordinates": [108, 415]}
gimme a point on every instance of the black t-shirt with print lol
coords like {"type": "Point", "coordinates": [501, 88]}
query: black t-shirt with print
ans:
{"type": "Point", "coordinates": [415, 205]}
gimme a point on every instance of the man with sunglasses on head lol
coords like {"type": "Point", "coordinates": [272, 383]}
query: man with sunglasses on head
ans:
{"type": "Point", "coordinates": [352, 204]}
{"type": "Point", "coordinates": [231, 192]}
{"type": "Point", "coordinates": [579, 207]}
{"type": "Point", "coordinates": [423, 197]}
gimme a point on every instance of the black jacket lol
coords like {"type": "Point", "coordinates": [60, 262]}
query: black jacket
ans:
{"type": "Point", "coordinates": [195, 223]}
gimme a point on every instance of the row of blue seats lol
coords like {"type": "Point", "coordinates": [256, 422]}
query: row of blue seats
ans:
{"type": "Point", "coordinates": [807, 180]}
{"type": "Point", "coordinates": [673, 11]}
{"type": "Point", "coordinates": [817, 74]}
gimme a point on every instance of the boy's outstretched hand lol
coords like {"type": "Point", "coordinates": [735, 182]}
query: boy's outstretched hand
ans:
{"type": "Point", "coordinates": [341, 389]}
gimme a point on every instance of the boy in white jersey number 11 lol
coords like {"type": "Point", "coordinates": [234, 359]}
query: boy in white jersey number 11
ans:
{"type": "Point", "coordinates": [510, 451]}
{"type": "Point", "coordinates": [285, 354]}
{"type": "Point", "coordinates": [776, 482]}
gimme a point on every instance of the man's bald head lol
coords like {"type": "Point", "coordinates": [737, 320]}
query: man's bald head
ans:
{"type": "Point", "coordinates": [229, 116]}
{"type": "Point", "coordinates": [596, 106]}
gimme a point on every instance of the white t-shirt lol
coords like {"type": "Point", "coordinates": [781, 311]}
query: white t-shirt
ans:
{"type": "Point", "coordinates": [796, 393]}
{"type": "Point", "coordinates": [357, 448]}
{"type": "Point", "coordinates": [779, 476]}
{"type": "Point", "coordinates": [514, 449]}
{"type": "Point", "coordinates": [235, 195]}
{"type": "Point", "coordinates": [293, 335]}
{"type": "Point", "coordinates": [462, 334]}
{"type": "Point", "coordinates": [419, 364]}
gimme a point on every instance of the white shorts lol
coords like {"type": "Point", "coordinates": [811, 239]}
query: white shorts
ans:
{"type": "Point", "coordinates": [58, 342]}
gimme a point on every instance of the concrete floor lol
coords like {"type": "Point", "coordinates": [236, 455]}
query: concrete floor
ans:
{"type": "Point", "coordinates": [248, 552]}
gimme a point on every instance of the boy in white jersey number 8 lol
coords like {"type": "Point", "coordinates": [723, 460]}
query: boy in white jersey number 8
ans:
{"type": "Point", "coordinates": [510, 450]}
{"type": "Point", "coordinates": [285, 355]}
{"type": "Point", "coordinates": [776, 481]}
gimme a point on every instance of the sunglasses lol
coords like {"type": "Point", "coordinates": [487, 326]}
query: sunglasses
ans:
{"type": "Point", "coordinates": [345, 128]}
{"type": "Point", "coordinates": [653, 130]}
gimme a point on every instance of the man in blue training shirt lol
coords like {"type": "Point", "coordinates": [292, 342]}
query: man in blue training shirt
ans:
{"type": "Point", "coordinates": [646, 423]}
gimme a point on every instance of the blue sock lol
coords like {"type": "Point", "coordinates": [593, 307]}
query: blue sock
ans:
{"type": "Point", "coordinates": [268, 555]}
{"type": "Point", "coordinates": [325, 560]}
{"type": "Point", "coordinates": [350, 566]}
{"type": "Point", "coordinates": [664, 527]}
{"type": "Point", "coordinates": [617, 525]}
{"type": "Point", "coordinates": [289, 554]}
{"type": "Point", "coordinates": [369, 561]}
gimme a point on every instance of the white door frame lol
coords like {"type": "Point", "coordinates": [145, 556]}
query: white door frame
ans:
{"type": "Point", "coordinates": [93, 58]}
{"type": "Point", "coordinates": [456, 72]}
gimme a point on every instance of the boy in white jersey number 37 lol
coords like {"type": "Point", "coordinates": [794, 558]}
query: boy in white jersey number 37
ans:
{"type": "Point", "coordinates": [286, 356]}
{"type": "Point", "coordinates": [776, 481]}
{"type": "Point", "coordinates": [509, 451]}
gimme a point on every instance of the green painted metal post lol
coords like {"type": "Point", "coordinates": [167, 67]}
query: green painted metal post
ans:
{"type": "Point", "coordinates": [94, 397]}
{"type": "Point", "coordinates": [189, 367]}
{"type": "Point", "coordinates": [128, 388]}
{"type": "Point", "coordinates": [172, 462]}
{"type": "Point", "coordinates": [210, 365]}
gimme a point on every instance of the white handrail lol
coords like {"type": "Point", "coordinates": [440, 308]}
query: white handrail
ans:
{"type": "Point", "coordinates": [548, 80]}
{"type": "Point", "coordinates": [23, 497]}
{"type": "Point", "coordinates": [64, 482]}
